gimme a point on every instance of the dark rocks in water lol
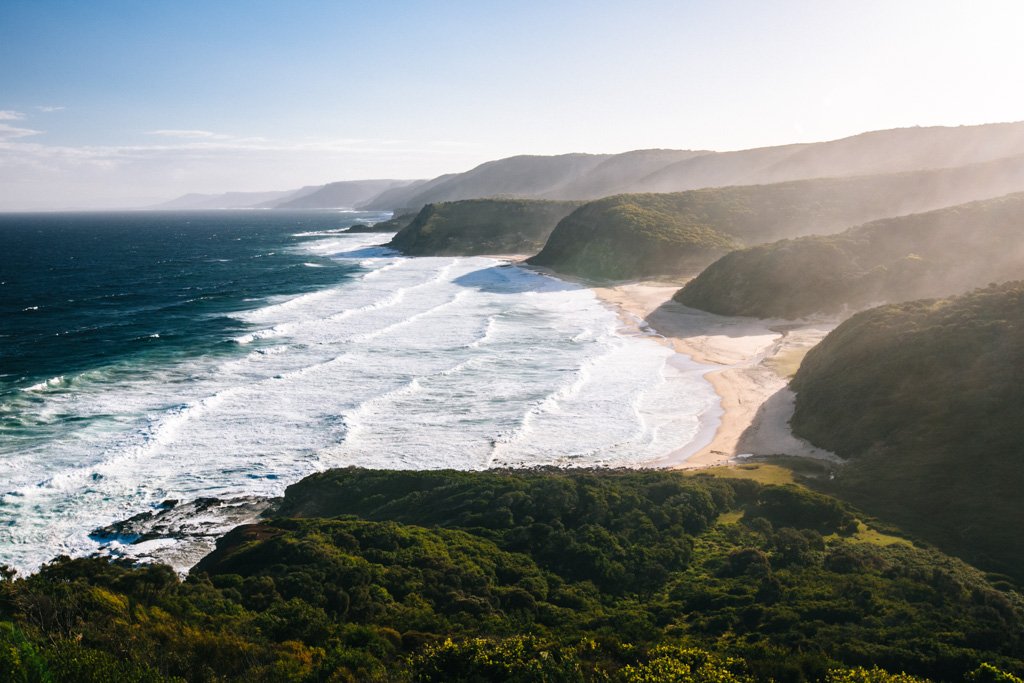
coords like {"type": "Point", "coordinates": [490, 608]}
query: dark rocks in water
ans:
{"type": "Point", "coordinates": [199, 518]}
{"type": "Point", "coordinates": [393, 225]}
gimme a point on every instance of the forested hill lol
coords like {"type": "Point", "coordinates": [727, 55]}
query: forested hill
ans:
{"type": "Point", "coordinates": [678, 234]}
{"type": "Point", "coordinates": [481, 226]}
{"type": "Point", "coordinates": [938, 253]}
{"type": "Point", "coordinates": [592, 176]}
{"type": "Point", "coordinates": [926, 399]}
{"type": "Point", "coordinates": [522, 576]}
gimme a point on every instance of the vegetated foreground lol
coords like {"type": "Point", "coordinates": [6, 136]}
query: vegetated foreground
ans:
{"type": "Point", "coordinates": [523, 576]}
{"type": "Point", "coordinates": [926, 399]}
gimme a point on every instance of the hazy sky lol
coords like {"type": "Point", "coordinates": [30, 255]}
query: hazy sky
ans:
{"type": "Point", "coordinates": [121, 103]}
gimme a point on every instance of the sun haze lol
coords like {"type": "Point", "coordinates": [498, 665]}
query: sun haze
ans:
{"type": "Point", "coordinates": [123, 104]}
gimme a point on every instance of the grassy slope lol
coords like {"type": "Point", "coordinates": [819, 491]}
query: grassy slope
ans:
{"type": "Point", "coordinates": [937, 253]}
{"type": "Point", "coordinates": [927, 400]}
{"type": "Point", "coordinates": [481, 226]}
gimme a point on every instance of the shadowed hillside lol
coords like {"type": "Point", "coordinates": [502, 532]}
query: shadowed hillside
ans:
{"type": "Point", "coordinates": [938, 253]}
{"type": "Point", "coordinates": [926, 399]}
{"type": "Point", "coordinates": [481, 226]}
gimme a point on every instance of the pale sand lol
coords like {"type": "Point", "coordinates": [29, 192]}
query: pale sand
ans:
{"type": "Point", "coordinates": [754, 356]}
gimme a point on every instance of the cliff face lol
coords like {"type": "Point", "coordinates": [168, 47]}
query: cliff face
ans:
{"type": "Point", "coordinates": [937, 253]}
{"type": "Point", "coordinates": [926, 399]}
{"type": "Point", "coordinates": [481, 226]}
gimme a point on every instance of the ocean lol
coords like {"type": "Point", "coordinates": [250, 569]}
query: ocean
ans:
{"type": "Point", "coordinates": [150, 357]}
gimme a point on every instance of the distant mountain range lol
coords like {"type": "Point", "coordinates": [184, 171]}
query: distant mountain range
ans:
{"type": "Point", "coordinates": [593, 176]}
{"type": "Point", "coordinates": [231, 200]}
{"type": "Point", "coordinates": [345, 194]}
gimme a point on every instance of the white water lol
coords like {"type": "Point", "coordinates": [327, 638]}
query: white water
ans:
{"type": "Point", "coordinates": [418, 363]}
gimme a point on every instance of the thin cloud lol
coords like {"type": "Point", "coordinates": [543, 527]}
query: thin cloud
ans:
{"type": "Point", "coordinates": [199, 144]}
{"type": "Point", "coordinates": [10, 115]}
{"type": "Point", "coordinates": [9, 132]}
{"type": "Point", "coordinates": [189, 134]}
{"type": "Point", "coordinates": [46, 109]}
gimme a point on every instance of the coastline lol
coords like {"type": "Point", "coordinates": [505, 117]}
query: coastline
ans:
{"type": "Point", "coordinates": [751, 361]}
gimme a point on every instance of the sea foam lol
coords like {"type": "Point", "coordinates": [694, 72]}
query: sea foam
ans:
{"type": "Point", "coordinates": [413, 363]}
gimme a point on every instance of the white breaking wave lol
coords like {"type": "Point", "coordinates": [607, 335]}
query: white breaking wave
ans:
{"type": "Point", "coordinates": [413, 363]}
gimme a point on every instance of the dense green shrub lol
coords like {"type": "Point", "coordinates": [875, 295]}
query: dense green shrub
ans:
{"type": "Point", "coordinates": [586, 576]}
{"type": "Point", "coordinates": [926, 399]}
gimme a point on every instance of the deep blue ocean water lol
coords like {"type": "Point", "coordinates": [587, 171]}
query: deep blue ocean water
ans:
{"type": "Point", "coordinates": [81, 290]}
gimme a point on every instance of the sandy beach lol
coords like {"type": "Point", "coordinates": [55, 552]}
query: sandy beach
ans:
{"type": "Point", "coordinates": [751, 362]}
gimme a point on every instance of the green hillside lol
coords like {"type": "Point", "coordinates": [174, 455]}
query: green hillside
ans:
{"type": "Point", "coordinates": [678, 234]}
{"type": "Point", "coordinates": [612, 576]}
{"type": "Point", "coordinates": [481, 226]}
{"type": "Point", "coordinates": [638, 235]}
{"type": "Point", "coordinates": [926, 399]}
{"type": "Point", "coordinates": [922, 255]}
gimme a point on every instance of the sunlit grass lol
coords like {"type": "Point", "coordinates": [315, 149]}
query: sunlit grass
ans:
{"type": "Point", "coordinates": [763, 473]}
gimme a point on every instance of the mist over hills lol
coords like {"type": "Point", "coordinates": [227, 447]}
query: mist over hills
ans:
{"type": "Point", "coordinates": [678, 234]}
{"type": "Point", "coordinates": [938, 253]}
{"type": "Point", "coordinates": [232, 200]}
{"type": "Point", "coordinates": [591, 176]}
{"type": "Point", "coordinates": [518, 176]}
{"type": "Point", "coordinates": [885, 151]}
{"type": "Point", "coordinates": [344, 194]}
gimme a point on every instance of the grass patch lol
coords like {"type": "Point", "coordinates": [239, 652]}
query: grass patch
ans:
{"type": "Point", "coordinates": [786, 363]}
{"type": "Point", "coordinates": [867, 534]}
{"type": "Point", "coordinates": [762, 473]}
{"type": "Point", "coordinates": [732, 517]}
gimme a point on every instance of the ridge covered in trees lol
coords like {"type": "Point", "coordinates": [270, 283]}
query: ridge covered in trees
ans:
{"type": "Point", "coordinates": [678, 234]}
{"type": "Point", "coordinates": [938, 253]}
{"type": "Point", "coordinates": [626, 576]}
{"type": "Point", "coordinates": [926, 400]}
{"type": "Point", "coordinates": [480, 226]}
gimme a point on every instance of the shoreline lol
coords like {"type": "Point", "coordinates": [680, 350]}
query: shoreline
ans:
{"type": "Point", "coordinates": [749, 361]}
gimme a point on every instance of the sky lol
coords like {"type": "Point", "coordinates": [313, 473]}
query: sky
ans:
{"type": "Point", "coordinates": [119, 104]}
